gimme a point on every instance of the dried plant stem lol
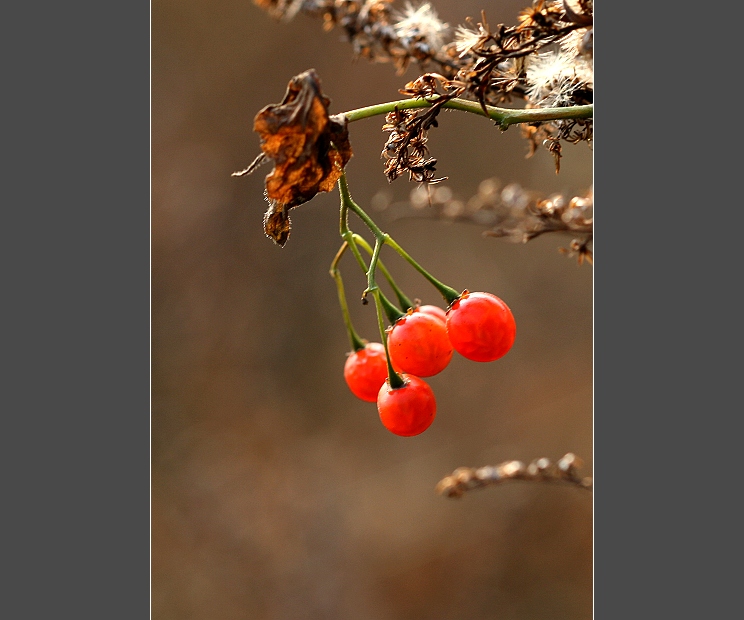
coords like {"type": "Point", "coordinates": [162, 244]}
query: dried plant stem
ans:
{"type": "Point", "coordinates": [540, 470]}
{"type": "Point", "coordinates": [503, 116]}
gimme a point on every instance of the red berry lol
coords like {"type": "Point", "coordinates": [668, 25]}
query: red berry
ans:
{"type": "Point", "coordinates": [365, 371]}
{"type": "Point", "coordinates": [419, 345]}
{"type": "Point", "coordinates": [434, 311]}
{"type": "Point", "coordinates": [407, 410]}
{"type": "Point", "coordinates": [481, 327]}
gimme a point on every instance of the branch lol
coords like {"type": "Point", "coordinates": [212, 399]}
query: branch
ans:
{"type": "Point", "coordinates": [540, 470]}
{"type": "Point", "coordinates": [503, 116]}
{"type": "Point", "coordinates": [511, 212]}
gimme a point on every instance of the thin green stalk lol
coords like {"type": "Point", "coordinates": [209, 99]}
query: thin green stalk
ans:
{"type": "Point", "coordinates": [346, 233]}
{"type": "Point", "coordinates": [392, 312]}
{"type": "Point", "coordinates": [348, 203]}
{"type": "Point", "coordinates": [395, 380]}
{"type": "Point", "coordinates": [448, 293]}
{"type": "Point", "coordinates": [371, 270]}
{"type": "Point", "coordinates": [403, 299]}
{"type": "Point", "coordinates": [503, 116]}
{"type": "Point", "coordinates": [355, 340]}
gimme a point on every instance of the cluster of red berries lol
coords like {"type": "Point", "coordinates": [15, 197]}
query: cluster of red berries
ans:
{"type": "Point", "coordinates": [479, 326]}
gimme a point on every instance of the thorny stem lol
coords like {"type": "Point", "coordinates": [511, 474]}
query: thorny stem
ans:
{"type": "Point", "coordinates": [357, 343]}
{"type": "Point", "coordinates": [503, 116]}
{"type": "Point", "coordinates": [448, 293]}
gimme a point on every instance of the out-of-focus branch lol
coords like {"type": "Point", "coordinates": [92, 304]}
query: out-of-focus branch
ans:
{"type": "Point", "coordinates": [510, 211]}
{"type": "Point", "coordinates": [540, 470]}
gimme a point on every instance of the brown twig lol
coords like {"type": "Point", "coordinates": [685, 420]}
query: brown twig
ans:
{"type": "Point", "coordinates": [540, 470]}
{"type": "Point", "coordinates": [511, 212]}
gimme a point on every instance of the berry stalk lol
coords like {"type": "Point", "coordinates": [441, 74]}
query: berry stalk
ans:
{"type": "Point", "coordinates": [395, 380]}
{"type": "Point", "coordinates": [355, 340]}
{"type": "Point", "coordinates": [347, 203]}
{"type": "Point", "coordinates": [351, 239]}
{"type": "Point", "coordinates": [448, 293]}
{"type": "Point", "coordinates": [403, 299]}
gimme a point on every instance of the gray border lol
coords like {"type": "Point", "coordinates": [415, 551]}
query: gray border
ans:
{"type": "Point", "coordinates": [76, 338]}
{"type": "Point", "coordinates": [663, 304]}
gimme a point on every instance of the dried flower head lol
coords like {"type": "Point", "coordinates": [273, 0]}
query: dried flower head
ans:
{"type": "Point", "coordinates": [469, 37]}
{"type": "Point", "coordinates": [421, 24]}
{"type": "Point", "coordinates": [508, 211]}
{"type": "Point", "coordinates": [553, 78]}
{"type": "Point", "coordinates": [281, 9]}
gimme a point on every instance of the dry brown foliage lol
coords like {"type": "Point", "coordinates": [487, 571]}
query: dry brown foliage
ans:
{"type": "Point", "coordinates": [309, 150]}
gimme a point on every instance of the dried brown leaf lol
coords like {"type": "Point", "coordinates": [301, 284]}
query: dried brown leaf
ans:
{"type": "Point", "coordinates": [276, 223]}
{"type": "Point", "coordinates": [309, 150]}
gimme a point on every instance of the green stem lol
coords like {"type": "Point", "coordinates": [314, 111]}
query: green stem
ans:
{"type": "Point", "coordinates": [448, 293]}
{"type": "Point", "coordinates": [355, 340]}
{"type": "Point", "coordinates": [351, 239]}
{"type": "Point", "coordinates": [392, 312]}
{"type": "Point", "coordinates": [403, 299]}
{"type": "Point", "coordinates": [395, 380]}
{"type": "Point", "coordinates": [371, 281]}
{"type": "Point", "coordinates": [348, 203]}
{"type": "Point", "coordinates": [503, 116]}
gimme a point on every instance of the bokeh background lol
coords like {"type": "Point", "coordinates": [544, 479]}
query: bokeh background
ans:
{"type": "Point", "coordinates": [275, 493]}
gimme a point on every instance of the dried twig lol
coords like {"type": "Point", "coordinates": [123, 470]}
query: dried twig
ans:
{"type": "Point", "coordinates": [540, 470]}
{"type": "Point", "coordinates": [511, 212]}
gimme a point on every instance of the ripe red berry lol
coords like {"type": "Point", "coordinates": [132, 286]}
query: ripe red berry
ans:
{"type": "Point", "coordinates": [481, 327]}
{"type": "Point", "coordinates": [434, 311]}
{"type": "Point", "coordinates": [365, 371]}
{"type": "Point", "coordinates": [407, 410]}
{"type": "Point", "coordinates": [418, 344]}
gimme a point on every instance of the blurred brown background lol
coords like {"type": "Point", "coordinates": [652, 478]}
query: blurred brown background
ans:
{"type": "Point", "coordinates": [275, 493]}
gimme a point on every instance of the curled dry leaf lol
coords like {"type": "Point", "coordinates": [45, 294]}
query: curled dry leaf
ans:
{"type": "Point", "coordinates": [309, 150]}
